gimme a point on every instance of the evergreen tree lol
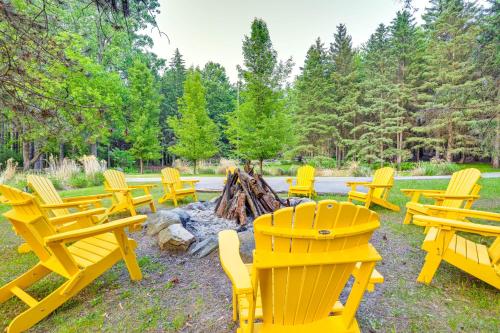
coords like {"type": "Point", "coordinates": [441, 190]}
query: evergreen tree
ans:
{"type": "Point", "coordinates": [144, 105]}
{"type": "Point", "coordinates": [171, 89]}
{"type": "Point", "coordinates": [452, 81]}
{"type": "Point", "coordinates": [381, 112]}
{"type": "Point", "coordinates": [260, 127]}
{"type": "Point", "coordinates": [346, 91]}
{"type": "Point", "coordinates": [314, 104]}
{"type": "Point", "coordinates": [196, 133]}
{"type": "Point", "coordinates": [221, 97]}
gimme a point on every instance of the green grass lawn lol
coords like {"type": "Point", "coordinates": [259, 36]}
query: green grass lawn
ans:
{"type": "Point", "coordinates": [200, 300]}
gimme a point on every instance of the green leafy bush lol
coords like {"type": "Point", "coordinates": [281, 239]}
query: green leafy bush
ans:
{"type": "Point", "coordinates": [58, 184]}
{"type": "Point", "coordinates": [434, 168]}
{"type": "Point", "coordinates": [207, 171]}
{"type": "Point", "coordinates": [122, 158]}
{"type": "Point", "coordinates": [6, 153]}
{"type": "Point", "coordinates": [406, 166]}
{"type": "Point", "coordinates": [96, 179]}
{"type": "Point", "coordinates": [78, 180]}
{"type": "Point", "coordinates": [323, 162]}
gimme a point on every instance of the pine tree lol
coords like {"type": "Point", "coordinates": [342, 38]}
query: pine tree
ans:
{"type": "Point", "coordinates": [314, 104]}
{"type": "Point", "coordinates": [196, 133]}
{"type": "Point", "coordinates": [171, 89]}
{"type": "Point", "coordinates": [346, 91]}
{"type": "Point", "coordinates": [260, 127]}
{"type": "Point", "coordinates": [221, 98]}
{"type": "Point", "coordinates": [144, 104]}
{"type": "Point", "coordinates": [454, 87]}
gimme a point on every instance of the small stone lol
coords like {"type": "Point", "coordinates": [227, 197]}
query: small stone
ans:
{"type": "Point", "coordinates": [205, 247]}
{"type": "Point", "coordinates": [195, 206]}
{"type": "Point", "coordinates": [162, 220]}
{"type": "Point", "coordinates": [175, 237]}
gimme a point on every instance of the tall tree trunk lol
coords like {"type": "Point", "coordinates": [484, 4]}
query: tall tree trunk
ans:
{"type": "Point", "coordinates": [194, 168]}
{"type": "Point", "coordinates": [261, 162]}
{"type": "Point", "coordinates": [449, 148]}
{"type": "Point", "coordinates": [27, 160]}
{"type": "Point", "coordinates": [93, 149]}
{"type": "Point", "coordinates": [141, 165]}
{"type": "Point", "coordinates": [61, 152]}
{"type": "Point", "coordinates": [495, 159]}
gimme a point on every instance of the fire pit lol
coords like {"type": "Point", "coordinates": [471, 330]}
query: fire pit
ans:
{"type": "Point", "coordinates": [195, 226]}
{"type": "Point", "coordinates": [247, 193]}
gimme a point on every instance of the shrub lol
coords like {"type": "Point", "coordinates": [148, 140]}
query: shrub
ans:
{"type": "Point", "coordinates": [58, 184]}
{"type": "Point", "coordinates": [78, 180]}
{"type": "Point", "coordinates": [6, 153]}
{"type": "Point", "coordinates": [434, 168]}
{"type": "Point", "coordinates": [406, 166]}
{"type": "Point", "coordinates": [122, 158]}
{"type": "Point", "coordinates": [207, 171]}
{"type": "Point", "coordinates": [95, 179]}
{"type": "Point", "coordinates": [323, 162]}
{"type": "Point", "coordinates": [359, 170]}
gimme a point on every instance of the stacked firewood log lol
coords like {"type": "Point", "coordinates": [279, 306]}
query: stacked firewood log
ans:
{"type": "Point", "coordinates": [247, 194]}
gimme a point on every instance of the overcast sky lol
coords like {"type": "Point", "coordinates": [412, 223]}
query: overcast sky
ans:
{"type": "Point", "coordinates": [213, 30]}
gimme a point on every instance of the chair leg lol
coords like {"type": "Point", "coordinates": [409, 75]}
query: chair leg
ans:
{"type": "Point", "coordinates": [408, 217]}
{"type": "Point", "coordinates": [35, 274]}
{"type": "Point", "coordinates": [430, 267]}
{"type": "Point", "coordinates": [128, 255]}
{"type": "Point", "coordinates": [195, 196]}
{"type": "Point", "coordinates": [23, 248]}
{"type": "Point", "coordinates": [175, 201]}
{"type": "Point", "coordinates": [152, 206]}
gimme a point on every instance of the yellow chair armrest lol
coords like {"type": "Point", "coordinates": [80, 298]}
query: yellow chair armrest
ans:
{"type": "Point", "coordinates": [75, 216]}
{"type": "Point", "coordinates": [378, 185]}
{"type": "Point", "coordinates": [88, 197]}
{"type": "Point", "coordinates": [118, 189]}
{"type": "Point", "coordinates": [142, 186]}
{"type": "Point", "coordinates": [409, 192]}
{"type": "Point", "coordinates": [449, 196]}
{"type": "Point", "coordinates": [490, 216]}
{"type": "Point", "coordinates": [194, 180]}
{"type": "Point", "coordinates": [447, 224]}
{"type": "Point", "coordinates": [231, 262]}
{"type": "Point", "coordinates": [74, 235]}
{"type": "Point", "coordinates": [70, 204]}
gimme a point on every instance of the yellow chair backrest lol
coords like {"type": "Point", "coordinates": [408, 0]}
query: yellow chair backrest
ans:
{"type": "Point", "coordinates": [115, 179]}
{"type": "Point", "coordinates": [383, 176]}
{"type": "Point", "coordinates": [230, 169]}
{"type": "Point", "coordinates": [46, 193]}
{"type": "Point", "coordinates": [462, 182]}
{"type": "Point", "coordinates": [33, 226]}
{"type": "Point", "coordinates": [306, 289]}
{"type": "Point", "coordinates": [172, 175]}
{"type": "Point", "coordinates": [304, 175]}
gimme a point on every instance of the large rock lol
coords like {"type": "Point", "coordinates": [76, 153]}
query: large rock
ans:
{"type": "Point", "coordinates": [205, 247]}
{"type": "Point", "coordinates": [247, 245]}
{"type": "Point", "coordinates": [175, 237]}
{"type": "Point", "coordinates": [183, 215]}
{"type": "Point", "coordinates": [162, 220]}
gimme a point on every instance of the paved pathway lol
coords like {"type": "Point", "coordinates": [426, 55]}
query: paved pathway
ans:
{"type": "Point", "coordinates": [322, 184]}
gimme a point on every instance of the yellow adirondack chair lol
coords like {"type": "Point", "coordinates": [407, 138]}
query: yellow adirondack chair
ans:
{"type": "Point", "coordinates": [302, 262]}
{"type": "Point", "coordinates": [230, 169]}
{"type": "Point", "coordinates": [443, 243]}
{"type": "Point", "coordinates": [173, 186]}
{"type": "Point", "coordinates": [79, 256]}
{"type": "Point", "coordinates": [378, 189]}
{"type": "Point", "coordinates": [304, 183]}
{"type": "Point", "coordinates": [50, 200]}
{"type": "Point", "coordinates": [461, 192]}
{"type": "Point", "coordinates": [56, 207]}
{"type": "Point", "coordinates": [123, 200]}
